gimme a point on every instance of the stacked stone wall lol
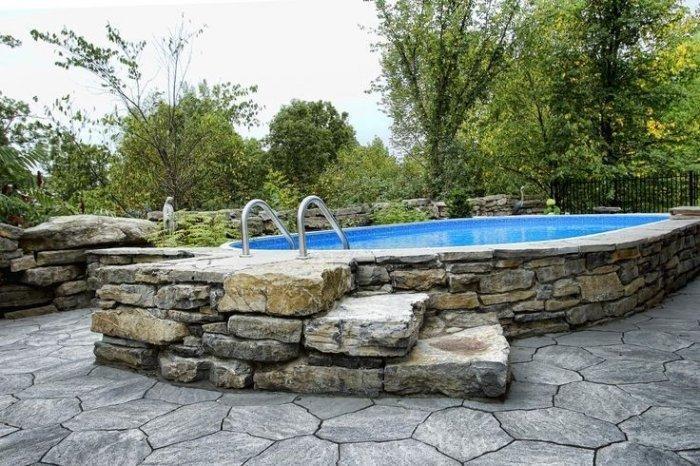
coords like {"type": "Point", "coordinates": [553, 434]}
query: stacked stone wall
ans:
{"type": "Point", "coordinates": [45, 269]}
{"type": "Point", "coordinates": [505, 204]}
{"type": "Point", "coordinates": [537, 291]}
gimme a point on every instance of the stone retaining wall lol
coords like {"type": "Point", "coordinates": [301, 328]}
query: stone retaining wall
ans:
{"type": "Point", "coordinates": [505, 204]}
{"type": "Point", "coordinates": [541, 290]}
{"type": "Point", "coordinates": [44, 269]}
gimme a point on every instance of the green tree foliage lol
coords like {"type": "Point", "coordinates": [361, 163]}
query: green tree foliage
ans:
{"type": "Point", "coordinates": [365, 174]}
{"type": "Point", "coordinates": [165, 131]}
{"type": "Point", "coordinates": [397, 212]}
{"type": "Point", "coordinates": [438, 58]}
{"type": "Point", "coordinates": [305, 138]}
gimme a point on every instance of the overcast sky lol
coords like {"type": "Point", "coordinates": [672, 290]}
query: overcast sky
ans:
{"type": "Point", "coordinates": [303, 49]}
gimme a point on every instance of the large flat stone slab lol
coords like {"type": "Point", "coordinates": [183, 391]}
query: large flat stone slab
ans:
{"type": "Point", "coordinates": [137, 324]}
{"type": "Point", "coordinates": [225, 346]}
{"type": "Point", "coordinates": [380, 325]}
{"type": "Point", "coordinates": [298, 288]}
{"type": "Point", "coordinates": [300, 377]}
{"type": "Point", "coordinates": [473, 362]}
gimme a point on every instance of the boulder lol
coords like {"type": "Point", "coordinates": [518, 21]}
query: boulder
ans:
{"type": "Point", "coordinates": [225, 346]}
{"type": "Point", "coordinates": [137, 324]}
{"type": "Point", "coordinates": [47, 276]}
{"type": "Point", "coordinates": [473, 362]}
{"type": "Point", "coordinates": [379, 325]}
{"type": "Point", "coordinates": [79, 231]}
{"type": "Point", "coordinates": [265, 328]}
{"type": "Point", "coordinates": [298, 288]}
{"type": "Point", "coordinates": [300, 377]}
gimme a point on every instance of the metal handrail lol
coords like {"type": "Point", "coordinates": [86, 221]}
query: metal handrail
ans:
{"type": "Point", "coordinates": [245, 237]}
{"type": "Point", "coordinates": [301, 212]}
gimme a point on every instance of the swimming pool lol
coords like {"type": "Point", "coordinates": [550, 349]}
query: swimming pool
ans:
{"type": "Point", "coordinates": [464, 232]}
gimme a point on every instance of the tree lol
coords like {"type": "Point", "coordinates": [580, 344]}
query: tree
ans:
{"type": "Point", "coordinates": [304, 138]}
{"type": "Point", "coordinates": [155, 120]}
{"type": "Point", "coordinates": [366, 174]}
{"type": "Point", "coordinates": [438, 58]}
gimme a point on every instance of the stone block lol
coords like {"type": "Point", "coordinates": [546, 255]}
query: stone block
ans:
{"type": "Point", "coordinates": [585, 313]}
{"type": "Point", "coordinates": [316, 358]}
{"type": "Point", "coordinates": [8, 245]}
{"type": "Point", "coordinates": [184, 296]}
{"type": "Point", "coordinates": [468, 319]}
{"type": "Point", "coordinates": [181, 369]}
{"type": "Point", "coordinates": [132, 294]}
{"type": "Point", "coordinates": [381, 325]}
{"type": "Point", "coordinates": [229, 347]}
{"type": "Point", "coordinates": [300, 288]}
{"type": "Point", "coordinates": [620, 307]}
{"type": "Point", "coordinates": [22, 263]}
{"type": "Point", "coordinates": [71, 288]}
{"type": "Point", "coordinates": [462, 282]}
{"type": "Point", "coordinates": [51, 275]}
{"type": "Point", "coordinates": [137, 324]}
{"type": "Point", "coordinates": [230, 373]}
{"type": "Point", "coordinates": [559, 304]}
{"type": "Point", "coordinates": [10, 231]}
{"type": "Point", "coordinates": [75, 301]}
{"type": "Point", "coordinates": [596, 288]}
{"type": "Point", "coordinates": [473, 362]}
{"type": "Point", "coordinates": [418, 280]}
{"type": "Point", "coordinates": [444, 301]}
{"type": "Point", "coordinates": [265, 328]}
{"type": "Point", "coordinates": [506, 280]}
{"type": "Point", "coordinates": [63, 257]}
{"type": "Point", "coordinates": [31, 312]}
{"type": "Point", "coordinates": [216, 327]}
{"type": "Point", "coordinates": [7, 257]}
{"type": "Point", "coordinates": [189, 317]}
{"type": "Point", "coordinates": [15, 295]}
{"type": "Point", "coordinates": [510, 297]}
{"type": "Point", "coordinates": [371, 275]}
{"type": "Point", "coordinates": [469, 267]}
{"type": "Point", "coordinates": [565, 287]}
{"type": "Point", "coordinates": [300, 377]}
{"type": "Point", "coordinates": [138, 358]}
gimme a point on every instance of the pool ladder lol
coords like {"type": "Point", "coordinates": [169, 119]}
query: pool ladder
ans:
{"type": "Point", "coordinates": [301, 213]}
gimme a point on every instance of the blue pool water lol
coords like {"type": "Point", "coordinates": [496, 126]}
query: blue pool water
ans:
{"type": "Point", "coordinates": [464, 232]}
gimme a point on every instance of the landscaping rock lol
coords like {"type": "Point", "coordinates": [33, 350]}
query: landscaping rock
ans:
{"type": "Point", "coordinates": [180, 369]}
{"type": "Point", "coordinates": [137, 324]}
{"type": "Point", "coordinates": [418, 280]}
{"type": "Point", "coordinates": [134, 295]}
{"type": "Point", "coordinates": [31, 312]}
{"type": "Point", "coordinates": [370, 275]}
{"type": "Point", "coordinates": [381, 325]}
{"type": "Point", "coordinates": [10, 231]}
{"type": "Point", "coordinates": [182, 296]}
{"type": "Point", "coordinates": [47, 276]}
{"type": "Point", "coordinates": [225, 346]}
{"type": "Point", "coordinates": [71, 288]}
{"type": "Point", "coordinates": [316, 358]}
{"type": "Point", "coordinates": [473, 362]}
{"type": "Point", "coordinates": [300, 377]}
{"type": "Point", "coordinates": [23, 296]}
{"type": "Point", "coordinates": [63, 257]}
{"type": "Point", "coordinates": [507, 280]}
{"type": "Point", "coordinates": [297, 289]}
{"type": "Point", "coordinates": [144, 358]}
{"type": "Point", "coordinates": [444, 301]}
{"type": "Point", "coordinates": [77, 231]}
{"type": "Point", "coordinates": [230, 373]}
{"type": "Point", "coordinates": [7, 245]}
{"type": "Point", "coordinates": [75, 301]}
{"type": "Point", "coordinates": [265, 328]}
{"type": "Point", "coordinates": [22, 263]}
{"type": "Point", "coordinates": [604, 287]}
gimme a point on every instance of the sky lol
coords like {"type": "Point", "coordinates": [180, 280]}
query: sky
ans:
{"type": "Point", "coordinates": [290, 49]}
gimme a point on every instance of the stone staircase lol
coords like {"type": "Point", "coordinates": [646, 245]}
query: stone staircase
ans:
{"type": "Point", "coordinates": [302, 326]}
{"type": "Point", "coordinates": [352, 337]}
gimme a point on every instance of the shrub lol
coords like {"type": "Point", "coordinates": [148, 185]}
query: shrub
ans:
{"type": "Point", "coordinates": [398, 213]}
{"type": "Point", "coordinates": [458, 204]}
{"type": "Point", "coordinates": [197, 229]}
{"type": "Point", "coordinates": [552, 208]}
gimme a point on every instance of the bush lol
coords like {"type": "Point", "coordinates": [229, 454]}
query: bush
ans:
{"type": "Point", "coordinates": [197, 229]}
{"type": "Point", "coordinates": [398, 213]}
{"type": "Point", "coordinates": [458, 204]}
{"type": "Point", "coordinates": [552, 208]}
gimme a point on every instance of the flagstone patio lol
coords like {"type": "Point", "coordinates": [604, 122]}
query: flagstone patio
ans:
{"type": "Point", "coordinates": [625, 392]}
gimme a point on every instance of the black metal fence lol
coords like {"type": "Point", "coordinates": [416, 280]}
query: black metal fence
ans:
{"type": "Point", "coordinates": [631, 194]}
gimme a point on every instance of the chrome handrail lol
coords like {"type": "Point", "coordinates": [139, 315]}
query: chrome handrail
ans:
{"type": "Point", "coordinates": [301, 212]}
{"type": "Point", "coordinates": [245, 237]}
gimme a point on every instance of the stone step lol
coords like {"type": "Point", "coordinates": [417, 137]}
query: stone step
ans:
{"type": "Point", "coordinates": [291, 289]}
{"type": "Point", "coordinates": [385, 325]}
{"type": "Point", "coordinates": [471, 362]}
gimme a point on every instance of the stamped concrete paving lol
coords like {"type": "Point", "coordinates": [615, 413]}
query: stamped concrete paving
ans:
{"type": "Point", "coordinates": [625, 392]}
